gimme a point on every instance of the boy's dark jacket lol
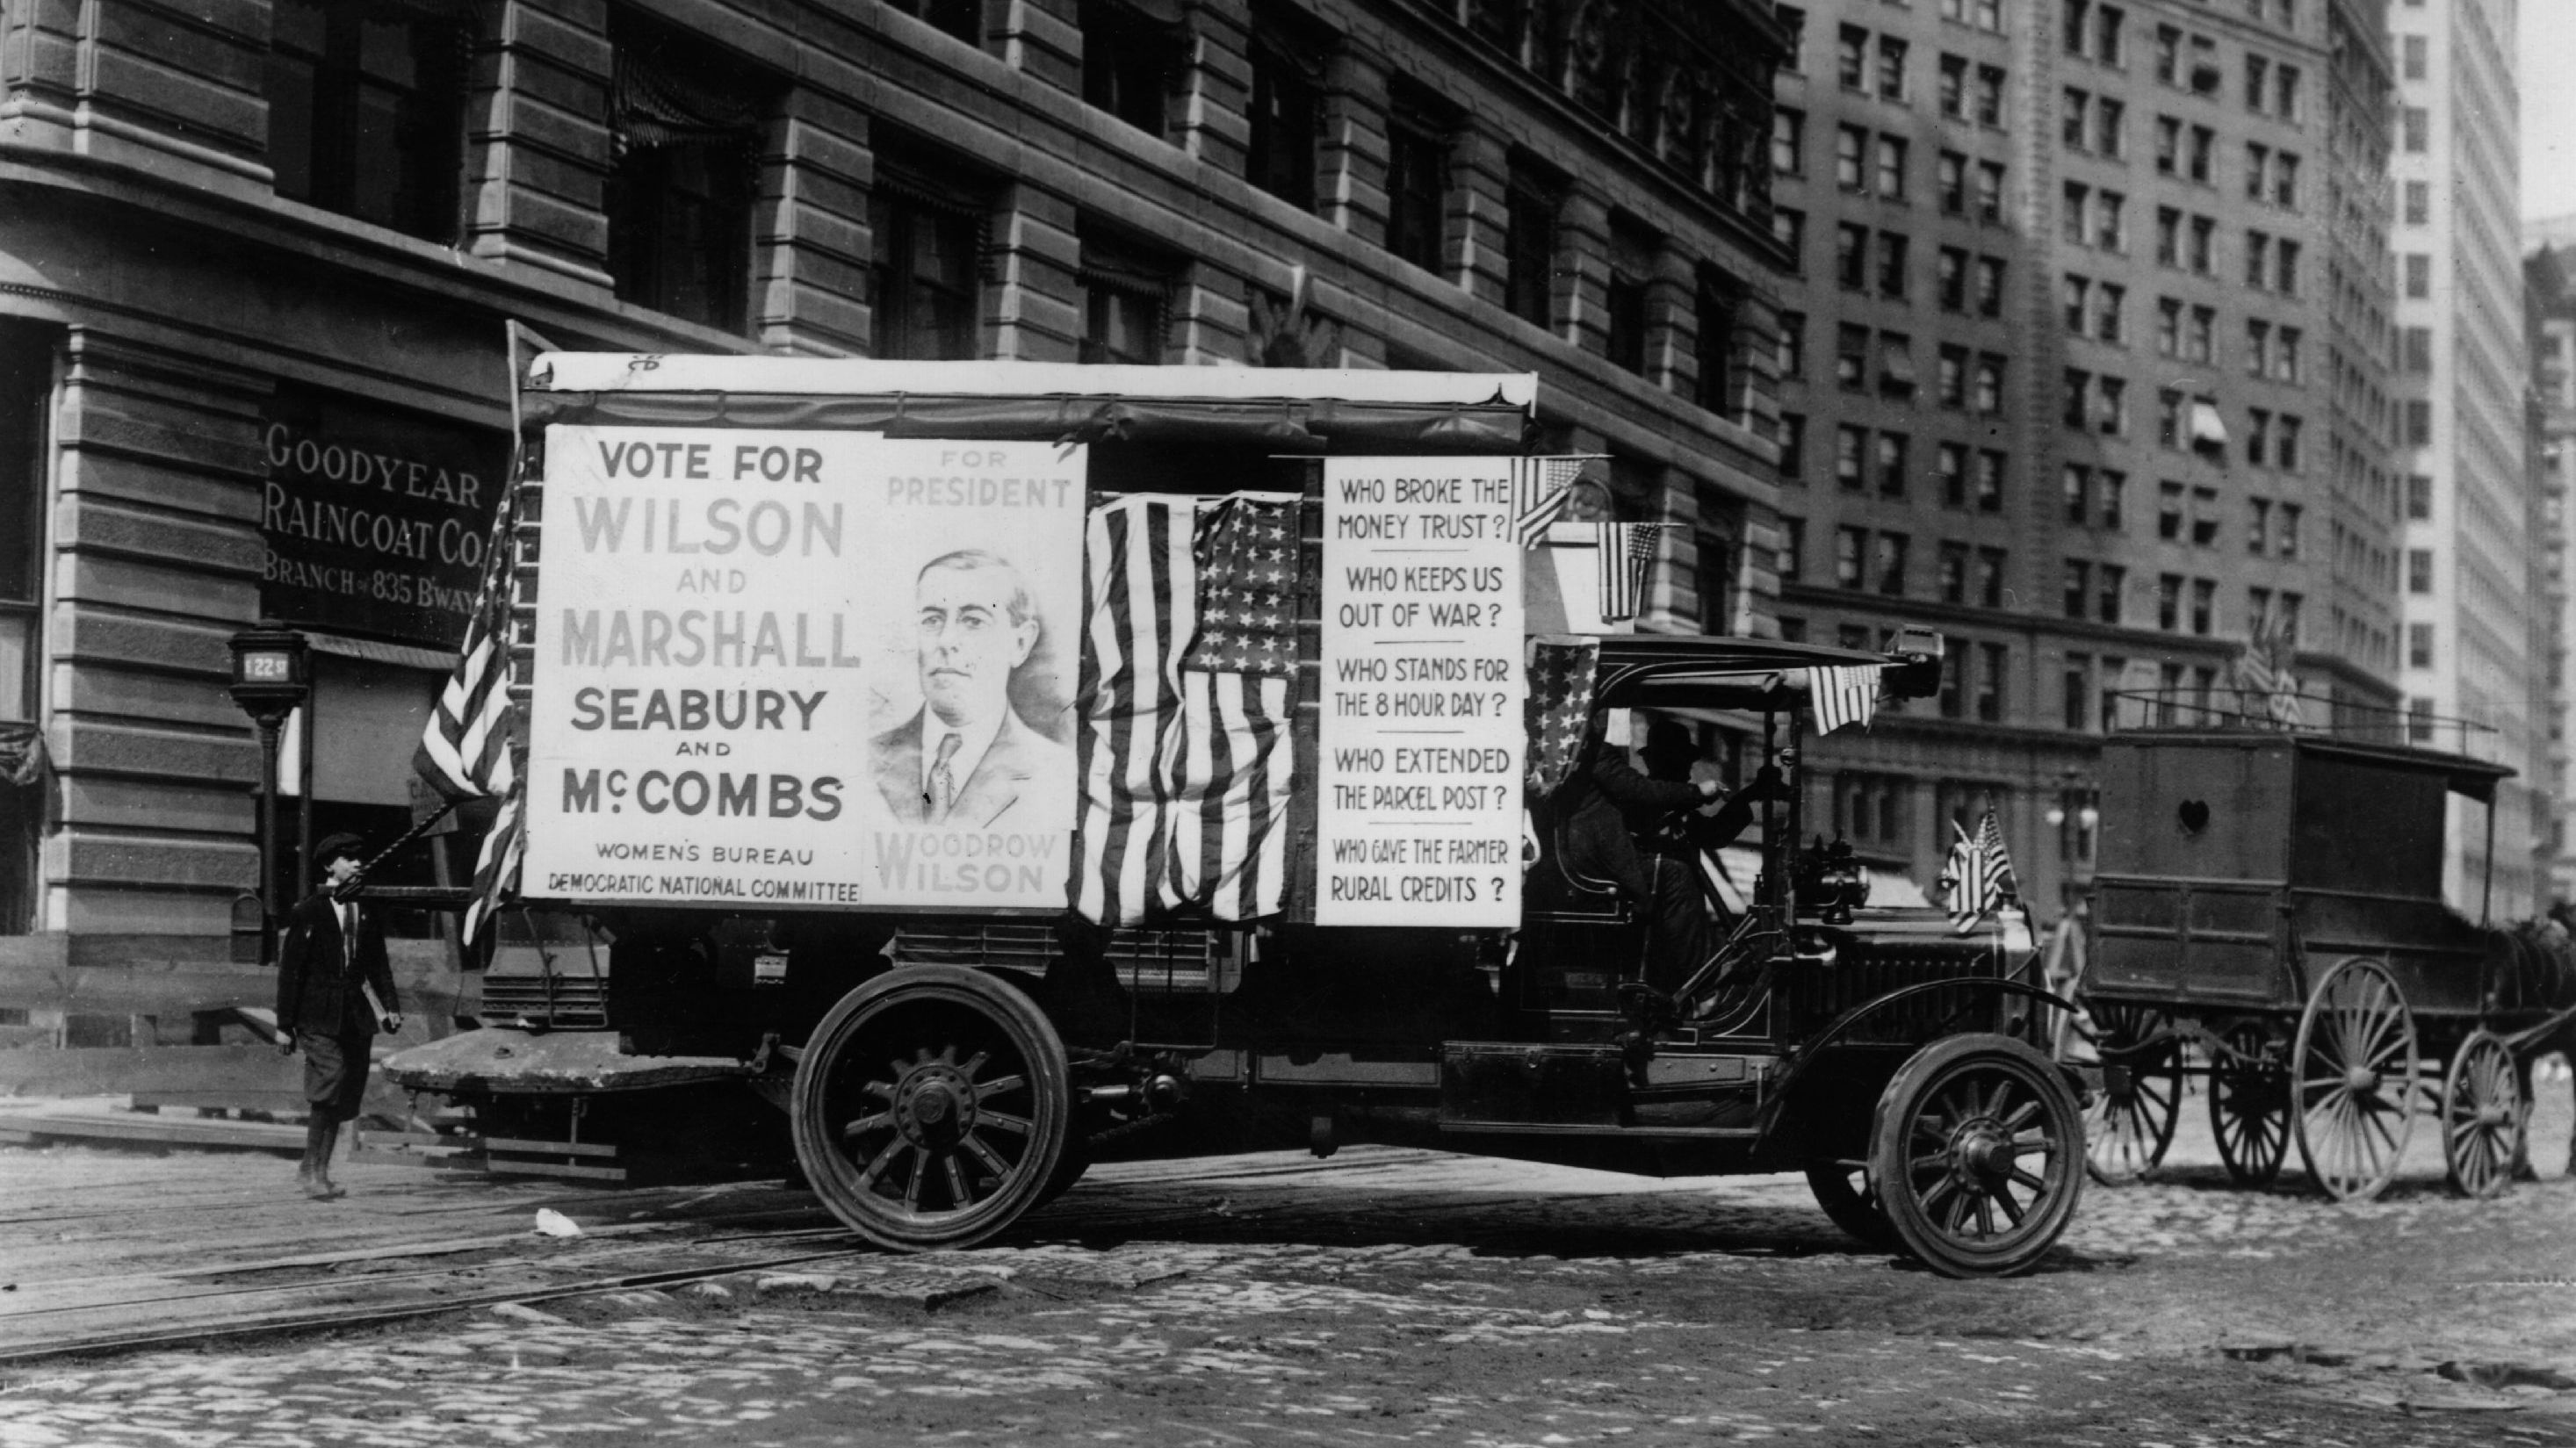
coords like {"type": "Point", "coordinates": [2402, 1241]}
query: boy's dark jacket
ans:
{"type": "Point", "coordinates": [316, 991]}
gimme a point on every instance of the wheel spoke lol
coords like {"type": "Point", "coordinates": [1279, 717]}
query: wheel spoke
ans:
{"type": "Point", "coordinates": [2022, 1116]}
{"type": "Point", "coordinates": [2032, 1180]}
{"type": "Point", "coordinates": [912, 1184]}
{"type": "Point", "coordinates": [958, 1196]}
{"type": "Point", "coordinates": [998, 1085]}
{"type": "Point", "coordinates": [865, 1124]}
{"type": "Point", "coordinates": [1985, 1215]}
{"type": "Point", "coordinates": [1004, 1121]}
{"type": "Point", "coordinates": [984, 1155]}
{"type": "Point", "coordinates": [1942, 1191]}
{"type": "Point", "coordinates": [1937, 1161]}
{"type": "Point", "coordinates": [974, 1064]}
{"type": "Point", "coordinates": [877, 1164]}
{"type": "Point", "coordinates": [2013, 1211]}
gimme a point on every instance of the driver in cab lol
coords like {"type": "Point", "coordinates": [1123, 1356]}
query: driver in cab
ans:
{"type": "Point", "coordinates": [1618, 826]}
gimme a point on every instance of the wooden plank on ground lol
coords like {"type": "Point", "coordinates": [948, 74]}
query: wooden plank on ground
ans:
{"type": "Point", "coordinates": [118, 1070]}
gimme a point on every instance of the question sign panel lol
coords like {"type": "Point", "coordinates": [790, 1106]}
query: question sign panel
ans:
{"type": "Point", "coordinates": [1418, 816]}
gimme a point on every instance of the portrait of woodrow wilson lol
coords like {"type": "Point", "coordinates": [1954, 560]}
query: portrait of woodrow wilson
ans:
{"type": "Point", "coordinates": [967, 758]}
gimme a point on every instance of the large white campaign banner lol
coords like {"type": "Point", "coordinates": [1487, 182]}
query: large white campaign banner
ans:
{"type": "Point", "coordinates": [1418, 807]}
{"type": "Point", "coordinates": [794, 668]}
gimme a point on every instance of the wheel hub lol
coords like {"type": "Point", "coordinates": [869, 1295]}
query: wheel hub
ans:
{"type": "Point", "coordinates": [1984, 1151]}
{"type": "Point", "coordinates": [2361, 1080]}
{"type": "Point", "coordinates": [934, 1105]}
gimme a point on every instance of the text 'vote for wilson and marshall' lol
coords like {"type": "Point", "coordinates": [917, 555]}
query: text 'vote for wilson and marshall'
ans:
{"type": "Point", "coordinates": [1418, 804]}
{"type": "Point", "coordinates": [792, 667]}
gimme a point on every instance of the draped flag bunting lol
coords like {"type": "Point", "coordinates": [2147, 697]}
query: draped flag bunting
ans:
{"type": "Point", "coordinates": [1843, 694]}
{"type": "Point", "coordinates": [465, 748]}
{"type": "Point", "coordinates": [1186, 670]}
{"type": "Point", "coordinates": [1627, 552]}
{"type": "Point", "coordinates": [1540, 488]}
{"type": "Point", "coordinates": [1230, 792]}
{"type": "Point", "coordinates": [1558, 707]}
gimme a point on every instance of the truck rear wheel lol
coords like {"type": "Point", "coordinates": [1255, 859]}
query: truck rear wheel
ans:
{"type": "Point", "coordinates": [931, 1107]}
{"type": "Point", "coordinates": [1978, 1155]}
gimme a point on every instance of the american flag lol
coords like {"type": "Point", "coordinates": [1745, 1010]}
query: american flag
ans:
{"type": "Point", "coordinates": [1843, 694]}
{"type": "Point", "coordinates": [2258, 668]}
{"type": "Point", "coordinates": [1979, 874]}
{"type": "Point", "coordinates": [465, 748]}
{"type": "Point", "coordinates": [1627, 552]}
{"type": "Point", "coordinates": [1558, 707]}
{"type": "Point", "coordinates": [1539, 492]}
{"type": "Point", "coordinates": [1186, 669]}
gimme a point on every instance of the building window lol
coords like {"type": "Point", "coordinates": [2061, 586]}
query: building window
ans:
{"type": "Point", "coordinates": [1792, 562]}
{"type": "Point", "coordinates": [1990, 192]}
{"type": "Point", "coordinates": [1632, 267]}
{"type": "Point", "coordinates": [2419, 203]}
{"type": "Point", "coordinates": [2112, 487]}
{"type": "Point", "coordinates": [1851, 356]}
{"type": "Point", "coordinates": [2414, 129]}
{"type": "Point", "coordinates": [1127, 63]}
{"type": "Point", "coordinates": [2078, 493]}
{"type": "Point", "coordinates": [1720, 305]}
{"type": "Point", "coordinates": [1789, 229]}
{"type": "Point", "coordinates": [1989, 100]}
{"type": "Point", "coordinates": [1529, 244]}
{"type": "Point", "coordinates": [1287, 116]}
{"type": "Point", "coordinates": [686, 127]}
{"type": "Point", "coordinates": [1851, 452]}
{"type": "Point", "coordinates": [2079, 587]}
{"type": "Point", "coordinates": [1986, 395]}
{"type": "Point", "coordinates": [963, 19]}
{"type": "Point", "coordinates": [1851, 148]}
{"type": "Point", "coordinates": [2419, 570]}
{"type": "Point", "coordinates": [1125, 293]}
{"type": "Point", "coordinates": [1891, 167]}
{"type": "Point", "coordinates": [1789, 142]}
{"type": "Point", "coordinates": [26, 380]}
{"type": "Point", "coordinates": [1990, 287]}
{"type": "Point", "coordinates": [1890, 560]}
{"type": "Point", "coordinates": [2419, 275]}
{"type": "Point", "coordinates": [1891, 464]}
{"type": "Point", "coordinates": [1851, 58]}
{"type": "Point", "coordinates": [1850, 544]}
{"type": "Point", "coordinates": [1990, 577]}
{"type": "Point", "coordinates": [1950, 463]}
{"type": "Point", "coordinates": [2115, 583]}
{"type": "Point", "coordinates": [1892, 251]}
{"type": "Point", "coordinates": [1953, 97]}
{"type": "Point", "coordinates": [1792, 356]}
{"type": "Point", "coordinates": [1851, 256]}
{"type": "Point", "coordinates": [2419, 496]}
{"type": "Point", "coordinates": [1953, 389]}
{"type": "Point", "coordinates": [1793, 448]}
{"type": "Point", "coordinates": [1417, 180]}
{"type": "Point", "coordinates": [1990, 481]}
{"type": "Point", "coordinates": [1891, 68]}
{"type": "Point", "coordinates": [1950, 279]}
{"type": "Point", "coordinates": [2419, 646]}
{"type": "Point", "coordinates": [923, 280]}
{"type": "Point", "coordinates": [366, 112]}
{"type": "Point", "coordinates": [1715, 569]}
{"type": "Point", "coordinates": [1951, 580]}
{"type": "Point", "coordinates": [1950, 183]}
{"type": "Point", "coordinates": [1896, 364]}
{"type": "Point", "coordinates": [1991, 662]}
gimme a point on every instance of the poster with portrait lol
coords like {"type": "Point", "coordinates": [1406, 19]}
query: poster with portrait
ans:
{"type": "Point", "coordinates": [796, 668]}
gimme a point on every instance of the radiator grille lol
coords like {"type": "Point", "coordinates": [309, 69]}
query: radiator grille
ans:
{"type": "Point", "coordinates": [1811, 997]}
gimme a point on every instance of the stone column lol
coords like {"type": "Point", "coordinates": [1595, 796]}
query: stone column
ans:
{"type": "Point", "coordinates": [1036, 311]}
{"type": "Point", "coordinates": [810, 259]}
{"type": "Point", "coordinates": [538, 154]}
{"type": "Point", "coordinates": [1350, 161]}
{"type": "Point", "coordinates": [1479, 213]}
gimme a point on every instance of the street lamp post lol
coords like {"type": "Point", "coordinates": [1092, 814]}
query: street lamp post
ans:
{"type": "Point", "coordinates": [271, 676]}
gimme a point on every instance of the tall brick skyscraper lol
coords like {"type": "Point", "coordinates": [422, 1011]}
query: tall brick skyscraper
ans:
{"type": "Point", "coordinates": [2085, 366]}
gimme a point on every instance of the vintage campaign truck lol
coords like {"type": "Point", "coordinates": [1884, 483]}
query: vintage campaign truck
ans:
{"type": "Point", "coordinates": [983, 762]}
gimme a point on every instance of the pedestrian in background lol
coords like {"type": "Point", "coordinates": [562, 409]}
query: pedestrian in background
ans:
{"type": "Point", "coordinates": [335, 990]}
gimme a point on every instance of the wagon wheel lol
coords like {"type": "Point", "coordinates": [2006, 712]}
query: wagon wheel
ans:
{"type": "Point", "coordinates": [2353, 1080]}
{"type": "Point", "coordinates": [1975, 1151]}
{"type": "Point", "coordinates": [931, 1107]}
{"type": "Point", "coordinates": [2249, 1105]}
{"type": "Point", "coordinates": [1844, 1190]}
{"type": "Point", "coordinates": [2137, 1094]}
{"type": "Point", "coordinates": [2482, 1116]}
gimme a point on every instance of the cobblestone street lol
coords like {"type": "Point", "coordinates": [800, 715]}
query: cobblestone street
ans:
{"type": "Point", "coordinates": [1397, 1297]}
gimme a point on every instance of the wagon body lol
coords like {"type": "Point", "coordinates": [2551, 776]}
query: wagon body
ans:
{"type": "Point", "coordinates": [2234, 865]}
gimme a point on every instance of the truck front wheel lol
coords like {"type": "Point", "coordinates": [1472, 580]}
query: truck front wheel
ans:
{"type": "Point", "coordinates": [931, 1107]}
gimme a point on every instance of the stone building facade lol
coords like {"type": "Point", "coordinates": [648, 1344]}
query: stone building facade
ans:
{"type": "Point", "coordinates": [255, 258]}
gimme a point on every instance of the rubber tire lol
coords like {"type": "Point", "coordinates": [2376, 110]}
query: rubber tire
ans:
{"type": "Point", "coordinates": [1007, 1018]}
{"type": "Point", "coordinates": [1856, 1211]}
{"type": "Point", "coordinates": [1919, 1086]}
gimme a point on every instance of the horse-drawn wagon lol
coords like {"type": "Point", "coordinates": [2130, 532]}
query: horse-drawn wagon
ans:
{"type": "Point", "coordinates": [2268, 914]}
